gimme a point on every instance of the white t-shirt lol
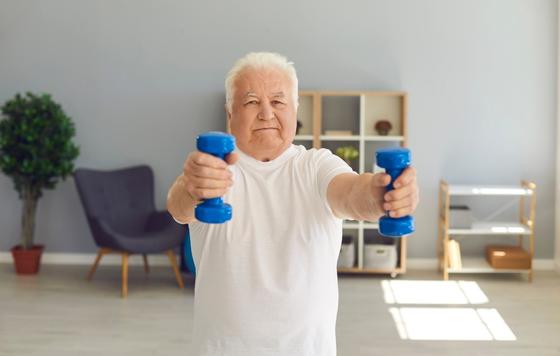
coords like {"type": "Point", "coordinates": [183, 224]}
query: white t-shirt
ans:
{"type": "Point", "coordinates": [266, 280]}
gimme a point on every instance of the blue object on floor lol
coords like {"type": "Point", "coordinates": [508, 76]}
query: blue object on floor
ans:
{"type": "Point", "coordinates": [187, 253]}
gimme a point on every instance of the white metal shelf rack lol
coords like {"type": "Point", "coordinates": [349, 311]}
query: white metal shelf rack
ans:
{"type": "Point", "coordinates": [524, 229]}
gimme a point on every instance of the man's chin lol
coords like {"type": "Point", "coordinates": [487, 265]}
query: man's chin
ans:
{"type": "Point", "coordinates": [268, 144]}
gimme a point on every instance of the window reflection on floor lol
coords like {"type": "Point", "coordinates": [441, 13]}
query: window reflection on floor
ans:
{"type": "Point", "coordinates": [444, 322]}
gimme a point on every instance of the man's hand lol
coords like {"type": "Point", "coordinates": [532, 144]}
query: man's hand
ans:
{"type": "Point", "coordinates": [364, 196]}
{"type": "Point", "coordinates": [404, 198]}
{"type": "Point", "coordinates": [204, 177]}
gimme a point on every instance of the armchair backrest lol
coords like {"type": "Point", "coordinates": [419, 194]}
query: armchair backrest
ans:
{"type": "Point", "coordinates": [124, 198]}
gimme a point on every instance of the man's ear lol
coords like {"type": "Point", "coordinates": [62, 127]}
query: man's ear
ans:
{"type": "Point", "coordinates": [228, 115]}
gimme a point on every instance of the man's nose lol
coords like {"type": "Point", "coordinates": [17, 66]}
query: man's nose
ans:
{"type": "Point", "coordinates": [266, 112]}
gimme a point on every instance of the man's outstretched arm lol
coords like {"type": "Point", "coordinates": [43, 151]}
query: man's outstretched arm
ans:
{"type": "Point", "coordinates": [364, 196]}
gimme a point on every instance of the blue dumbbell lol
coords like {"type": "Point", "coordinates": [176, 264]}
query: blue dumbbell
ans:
{"type": "Point", "coordinates": [219, 144]}
{"type": "Point", "coordinates": [395, 161]}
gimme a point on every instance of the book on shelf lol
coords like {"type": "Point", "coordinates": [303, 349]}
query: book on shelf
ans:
{"type": "Point", "coordinates": [454, 252]}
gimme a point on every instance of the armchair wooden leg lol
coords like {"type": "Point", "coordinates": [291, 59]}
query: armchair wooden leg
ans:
{"type": "Point", "coordinates": [173, 261]}
{"type": "Point", "coordinates": [124, 274]}
{"type": "Point", "coordinates": [146, 266]}
{"type": "Point", "coordinates": [100, 254]}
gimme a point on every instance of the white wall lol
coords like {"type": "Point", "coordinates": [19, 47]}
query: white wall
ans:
{"type": "Point", "coordinates": [142, 78]}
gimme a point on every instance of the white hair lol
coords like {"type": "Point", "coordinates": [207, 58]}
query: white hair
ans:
{"type": "Point", "coordinates": [259, 60]}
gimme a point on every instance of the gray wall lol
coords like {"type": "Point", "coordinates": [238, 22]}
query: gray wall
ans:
{"type": "Point", "coordinates": [142, 78]}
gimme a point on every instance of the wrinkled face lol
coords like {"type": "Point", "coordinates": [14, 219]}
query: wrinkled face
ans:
{"type": "Point", "coordinates": [263, 114]}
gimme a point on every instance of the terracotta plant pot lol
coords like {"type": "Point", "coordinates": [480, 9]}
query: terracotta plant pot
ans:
{"type": "Point", "coordinates": [27, 261]}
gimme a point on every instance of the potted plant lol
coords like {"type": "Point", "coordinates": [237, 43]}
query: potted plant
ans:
{"type": "Point", "coordinates": [347, 153]}
{"type": "Point", "coordinates": [36, 151]}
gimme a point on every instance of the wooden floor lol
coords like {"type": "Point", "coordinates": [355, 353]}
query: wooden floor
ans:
{"type": "Point", "coordinates": [60, 313]}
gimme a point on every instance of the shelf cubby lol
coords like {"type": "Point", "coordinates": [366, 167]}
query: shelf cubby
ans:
{"type": "Point", "coordinates": [384, 106]}
{"type": "Point", "coordinates": [340, 113]}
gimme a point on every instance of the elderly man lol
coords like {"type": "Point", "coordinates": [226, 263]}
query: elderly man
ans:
{"type": "Point", "coordinates": [266, 280]}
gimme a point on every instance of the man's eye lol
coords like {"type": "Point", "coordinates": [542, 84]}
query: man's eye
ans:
{"type": "Point", "coordinates": [277, 102]}
{"type": "Point", "coordinates": [251, 102]}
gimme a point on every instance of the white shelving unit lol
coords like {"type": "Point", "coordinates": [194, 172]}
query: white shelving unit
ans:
{"type": "Point", "coordinates": [522, 229]}
{"type": "Point", "coordinates": [357, 112]}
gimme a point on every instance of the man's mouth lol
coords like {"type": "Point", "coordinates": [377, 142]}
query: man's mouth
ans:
{"type": "Point", "coordinates": [266, 128]}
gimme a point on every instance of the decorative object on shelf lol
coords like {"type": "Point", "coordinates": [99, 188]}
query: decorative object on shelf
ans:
{"type": "Point", "coordinates": [508, 257]}
{"type": "Point", "coordinates": [338, 132]}
{"type": "Point", "coordinates": [36, 151]}
{"type": "Point", "coordinates": [379, 256]}
{"type": "Point", "coordinates": [299, 126]}
{"type": "Point", "coordinates": [347, 153]}
{"type": "Point", "coordinates": [382, 127]}
{"type": "Point", "coordinates": [454, 255]}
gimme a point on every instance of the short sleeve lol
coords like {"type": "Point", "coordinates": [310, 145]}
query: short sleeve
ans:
{"type": "Point", "coordinates": [328, 166]}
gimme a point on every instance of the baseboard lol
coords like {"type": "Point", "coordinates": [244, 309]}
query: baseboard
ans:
{"type": "Point", "coordinates": [162, 260]}
{"type": "Point", "coordinates": [539, 264]}
{"type": "Point", "coordinates": [63, 258]}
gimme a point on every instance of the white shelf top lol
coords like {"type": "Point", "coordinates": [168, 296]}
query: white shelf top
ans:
{"type": "Point", "coordinates": [339, 137]}
{"type": "Point", "coordinates": [350, 225]}
{"type": "Point", "coordinates": [383, 138]}
{"type": "Point", "coordinates": [303, 137]}
{"type": "Point", "coordinates": [371, 225]}
{"type": "Point", "coordinates": [357, 138]}
{"type": "Point", "coordinates": [512, 190]}
{"type": "Point", "coordinates": [493, 228]}
{"type": "Point", "coordinates": [480, 265]}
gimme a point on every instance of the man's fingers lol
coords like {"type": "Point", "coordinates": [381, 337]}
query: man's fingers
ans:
{"type": "Point", "coordinates": [206, 176]}
{"type": "Point", "coordinates": [381, 179]}
{"type": "Point", "coordinates": [399, 213]}
{"type": "Point", "coordinates": [410, 200]}
{"type": "Point", "coordinates": [397, 194]}
{"type": "Point", "coordinates": [195, 170]}
{"type": "Point", "coordinates": [207, 193]}
{"type": "Point", "coordinates": [206, 160]}
{"type": "Point", "coordinates": [205, 183]}
{"type": "Point", "coordinates": [406, 177]}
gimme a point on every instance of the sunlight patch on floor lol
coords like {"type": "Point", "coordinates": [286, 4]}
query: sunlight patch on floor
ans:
{"type": "Point", "coordinates": [432, 292]}
{"type": "Point", "coordinates": [446, 321]}
{"type": "Point", "coordinates": [466, 324]}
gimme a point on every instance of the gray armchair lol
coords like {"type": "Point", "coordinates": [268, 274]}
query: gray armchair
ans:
{"type": "Point", "coordinates": [122, 217]}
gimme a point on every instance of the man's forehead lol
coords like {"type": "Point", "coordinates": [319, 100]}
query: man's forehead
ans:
{"type": "Point", "coordinates": [269, 81]}
{"type": "Point", "coordinates": [276, 94]}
